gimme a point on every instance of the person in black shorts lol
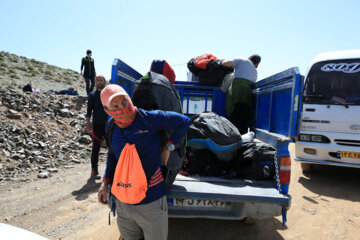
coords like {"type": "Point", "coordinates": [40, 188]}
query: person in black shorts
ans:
{"type": "Point", "coordinates": [99, 118]}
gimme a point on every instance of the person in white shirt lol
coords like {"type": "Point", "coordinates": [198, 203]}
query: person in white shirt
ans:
{"type": "Point", "coordinates": [239, 97]}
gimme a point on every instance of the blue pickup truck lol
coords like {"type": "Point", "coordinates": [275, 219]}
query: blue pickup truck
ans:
{"type": "Point", "coordinates": [275, 122]}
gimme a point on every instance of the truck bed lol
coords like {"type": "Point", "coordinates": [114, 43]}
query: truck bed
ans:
{"type": "Point", "coordinates": [276, 116]}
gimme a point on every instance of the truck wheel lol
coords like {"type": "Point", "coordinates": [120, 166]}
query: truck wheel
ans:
{"type": "Point", "coordinates": [251, 220]}
{"type": "Point", "coordinates": [306, 167]}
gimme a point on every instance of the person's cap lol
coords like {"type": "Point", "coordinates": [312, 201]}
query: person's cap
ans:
{"type": "Point", "coordinates": [109, 92]}
{"type": "Point", "coordinates": [100, 77]}
{"type": "Point", "coordinates": [88, 52]}
{"type": "Point", "coordinates": [164, 68]}
{"type": "Point", "coordinates": [255, 58]}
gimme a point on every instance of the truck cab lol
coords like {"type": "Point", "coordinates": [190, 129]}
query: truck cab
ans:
{"type": "Point", "coordinates": [330, 120]}
{"type": "Point", "coordinates": [275, 122]}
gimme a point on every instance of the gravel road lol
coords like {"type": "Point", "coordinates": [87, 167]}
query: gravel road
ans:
{"type": "Point", "coordinates": [325, 205]}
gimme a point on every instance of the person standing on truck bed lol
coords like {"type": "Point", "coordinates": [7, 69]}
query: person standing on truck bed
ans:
{"type": "Point", "coordinates": [99, 116]}
{"type": "Point", "coordinates": [239, 98]}
{"type": "Point", "coordinates": [87, 63]}
{"type": "Point", "coordinates": [147, 219]}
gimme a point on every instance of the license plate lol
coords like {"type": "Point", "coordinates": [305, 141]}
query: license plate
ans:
{"type": "Point", "coordinates": [355, 155]}
{"type": "Point", "coordinates": [204, 203]}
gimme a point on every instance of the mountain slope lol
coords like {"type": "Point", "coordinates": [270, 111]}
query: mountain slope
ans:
{"type": "Point", "coordinates": [17, 71]}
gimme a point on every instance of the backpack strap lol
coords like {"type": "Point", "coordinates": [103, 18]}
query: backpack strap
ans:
{"type": "Point", "coordinates": [109, 131]}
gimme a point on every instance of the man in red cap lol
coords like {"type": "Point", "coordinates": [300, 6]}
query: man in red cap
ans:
{"type": "Point", "coordinates": [149, 218]}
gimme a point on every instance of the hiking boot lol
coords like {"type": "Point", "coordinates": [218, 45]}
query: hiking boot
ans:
{"type": "Point", "coordinates": [95, 173]}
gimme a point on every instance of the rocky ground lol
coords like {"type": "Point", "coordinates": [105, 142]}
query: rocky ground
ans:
{"type": "Point", "coordinates": [40, 132]}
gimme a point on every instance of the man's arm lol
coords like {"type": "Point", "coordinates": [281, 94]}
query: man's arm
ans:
{"type": "Point", "coordinates": [82, 65]}
{"type": "Point", "coordinates": [93, 67]}
{"type": "Point", "coordinates": [176, 122]}
{"type": "Point", "coordinates": [227, 63]}
{"type": "Point", "coordinates": [88, 125]}
{"type": "Point", "coordinates": [88, 114]}
{"type": "Point", "coordinates": [108, 177]}
{"type": "Point", "coordinates": [102, 194]}
{"type": "Point", "coordinates": [110, 166]}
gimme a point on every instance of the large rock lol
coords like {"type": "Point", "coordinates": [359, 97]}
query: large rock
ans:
{"type": "Point", "coordinates": [43, 145]}
{"type": "Point", "coordinates": [15, 156]}
{"type": "Point", "coordinates": [75, 160]}
{"type": "Point", "coordinates": [85, 139]}
{"type": "Point", "coordinates": [58, 121]}
{"type": "Point", "coordinates": [64, 112]}
{"type": "Point", "coordinates": [13, 116]}
{"type": "Point", "coordinates": [7, 154]}
{"type": "Point", "coordinates": [43, 175]}
{"type": "Point", "coordinates": [11, 111]}
{"type": "Point", "coordinates": [41, 160]}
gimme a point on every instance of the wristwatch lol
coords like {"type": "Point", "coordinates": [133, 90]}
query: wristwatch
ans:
{"type": "Point", "coordinates": [170, 146]}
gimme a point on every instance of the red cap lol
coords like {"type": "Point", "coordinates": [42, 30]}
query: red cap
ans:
{"type": "Point", "coordinates": [111, 91]}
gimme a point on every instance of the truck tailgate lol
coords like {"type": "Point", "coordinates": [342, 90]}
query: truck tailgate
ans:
{"type": "Point", "coordinates": [212, 197]}
{"type": "Point", "coordinates": [226, 189]}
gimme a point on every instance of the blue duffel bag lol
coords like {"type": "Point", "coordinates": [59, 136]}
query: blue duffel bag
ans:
{"type": "Point", "coordinates": [211, 131]}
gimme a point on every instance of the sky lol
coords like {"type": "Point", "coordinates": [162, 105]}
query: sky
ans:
{"type": "Point", "coordinates": [284, 33]}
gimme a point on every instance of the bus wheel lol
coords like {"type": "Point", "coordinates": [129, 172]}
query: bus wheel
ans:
{"type": "Point", "coordinates": [306, 167]}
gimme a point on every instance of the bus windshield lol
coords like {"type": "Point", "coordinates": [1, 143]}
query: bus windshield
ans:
{"type": "Point", "coordinates": [333, 82]}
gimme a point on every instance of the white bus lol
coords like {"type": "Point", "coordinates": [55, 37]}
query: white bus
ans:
{"type": "Point", "coordinates": [330, 120]}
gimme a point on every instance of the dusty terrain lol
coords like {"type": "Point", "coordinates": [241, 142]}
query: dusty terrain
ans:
{"type": "Point", "coordinates": [325, 205]}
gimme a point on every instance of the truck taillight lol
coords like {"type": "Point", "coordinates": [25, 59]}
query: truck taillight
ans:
{"type": "Point", "coordinates": [285, 169]}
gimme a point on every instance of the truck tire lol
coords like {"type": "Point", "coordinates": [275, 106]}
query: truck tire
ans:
{"type": "Point", "coordinates": [306, 167]}
{"type": "Point", "coordinates": [251, 220]}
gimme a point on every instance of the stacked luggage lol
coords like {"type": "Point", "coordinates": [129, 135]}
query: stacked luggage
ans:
{"type": "Point", "coordinates": [216, 148]}
{"type": "Point", "coordinates": [208, 69]}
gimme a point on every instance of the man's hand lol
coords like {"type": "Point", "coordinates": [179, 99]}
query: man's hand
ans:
{"type": "Point", "coordinates": [102, 194]}
{"type": "Point", "coordinates": [165, 154]}
{"type": "Point", "coordinates": [88, 129]}
{"type": "Point", "coordinates": [88, 126]}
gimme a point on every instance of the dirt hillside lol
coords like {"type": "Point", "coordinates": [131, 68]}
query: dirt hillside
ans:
{"type": "Point", "coordinates": [17, 71]}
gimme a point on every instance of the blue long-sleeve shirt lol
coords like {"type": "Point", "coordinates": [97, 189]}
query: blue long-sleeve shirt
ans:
{"type": "Point", "coordinates": [144, 132]}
